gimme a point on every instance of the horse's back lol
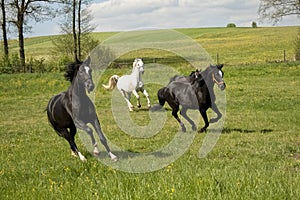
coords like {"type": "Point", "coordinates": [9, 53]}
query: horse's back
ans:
{"type": "Point", "coordinates": [184, 94]}
{"type": "Point", "coordinates": [126, 83]}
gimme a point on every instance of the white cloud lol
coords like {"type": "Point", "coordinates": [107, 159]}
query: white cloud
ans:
{"type": "Point", "coordinates": [124, 15]}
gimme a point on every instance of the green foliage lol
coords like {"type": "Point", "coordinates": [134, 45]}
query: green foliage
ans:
{"type": "Point", "coordinates": [231, 25]}
{"type": "Point", "coordinates": [10, 65]}
{"type": "Point", "coordinates": [63, 46]}
{"type": "Point", "coordinates": [254, 24]}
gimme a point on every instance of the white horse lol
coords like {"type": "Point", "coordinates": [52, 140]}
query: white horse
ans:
{"type": "Point", "coordinates": [132, 83]}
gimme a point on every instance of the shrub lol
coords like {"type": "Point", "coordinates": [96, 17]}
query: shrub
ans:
{"type": "Point", "coordinates": [231, 25]}
{"type": "Point", "coordinates": [254, 25]}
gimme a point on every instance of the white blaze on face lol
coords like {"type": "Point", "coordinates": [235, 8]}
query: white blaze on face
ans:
{"type": "Point", "coordinates": [87, 69]}
{"type": "Point", "coordinates": [221, 74]}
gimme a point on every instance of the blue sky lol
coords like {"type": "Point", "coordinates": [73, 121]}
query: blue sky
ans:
{"type": "Point", "coordinates": [125, 15]}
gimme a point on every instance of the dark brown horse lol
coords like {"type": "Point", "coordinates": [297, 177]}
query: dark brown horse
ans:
{"type": "Point", "coordinates": [73, 109]}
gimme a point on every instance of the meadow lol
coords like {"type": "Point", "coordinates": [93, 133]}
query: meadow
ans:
{"type": "Point", "coordinates": [257, 156]}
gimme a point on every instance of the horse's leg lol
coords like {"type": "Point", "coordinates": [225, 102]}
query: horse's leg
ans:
{"type": "Point", "coordinates": [204, 116]}
{"type": "Point", "coordinates": [134, 92]}
{"type": "Point", "coordinates": [216, 110]}
{"type": "Point", "coordinates": [147, 96]}
{"type": "Point", "coordinates": [127, 99]}
{"type": "Point", "coordinates": [175, 110]}
{"type": "Point", "coordinates": [89, 131]}
{"type": "Point", "coordinates": [184, 115]}
{"type": "Point", "coordinates": [71, 140]}
{"type": "Point", "coordinates": [98, 129]}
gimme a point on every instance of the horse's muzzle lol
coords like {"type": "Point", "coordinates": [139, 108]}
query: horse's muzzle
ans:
{"type": "Point", "coordinates": [89, 85]}
{"type": "Point", "coordinates": [222, 86]}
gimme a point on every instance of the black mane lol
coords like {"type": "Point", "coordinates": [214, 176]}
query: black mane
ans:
{"type": "Point", "coordinates": [71, 70]}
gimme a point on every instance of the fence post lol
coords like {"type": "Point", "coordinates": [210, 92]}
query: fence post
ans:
{"type": "Point", "coordinates": [217, 57]}
{"type": "Point", "coordinates": [284, 56]}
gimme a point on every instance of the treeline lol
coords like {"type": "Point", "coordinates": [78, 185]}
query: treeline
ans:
{"type": "Point", "coordinates": [75, 27]}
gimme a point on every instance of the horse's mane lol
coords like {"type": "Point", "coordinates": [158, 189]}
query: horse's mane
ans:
{"type": "Point", "coordinates": [71, 70]}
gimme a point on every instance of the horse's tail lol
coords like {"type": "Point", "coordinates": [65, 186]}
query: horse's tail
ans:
{"type": "Point", "coordinates": [161, 94]}
{"type": "Point", "coordinates": [112, 82]}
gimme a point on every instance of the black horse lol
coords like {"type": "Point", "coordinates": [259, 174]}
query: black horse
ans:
{"type": "Point", "coordinates": [73, 109]}
{"type": "Point", "coordinates": [191, 77]}
{"type": "Point", "coordinates": [194, 92]}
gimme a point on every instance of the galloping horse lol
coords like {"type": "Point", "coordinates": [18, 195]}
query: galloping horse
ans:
{"type": "Point", "coordinates": [192, 94]}
{"type": "Point", "coordinates": [210, 86]}
{"type": "Point", "coordinates": [132, 83]}
{"type": "Point", "coordinates": [73, 109]}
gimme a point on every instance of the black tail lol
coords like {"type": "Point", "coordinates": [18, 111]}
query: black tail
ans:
{"type": "Point", "coordinates": [161, 94]}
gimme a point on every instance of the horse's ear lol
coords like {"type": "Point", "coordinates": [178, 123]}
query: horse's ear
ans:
{"type": "Point", "coordinates": [88, 61]}
{"type": "Point", "coordinates": [220, 66]}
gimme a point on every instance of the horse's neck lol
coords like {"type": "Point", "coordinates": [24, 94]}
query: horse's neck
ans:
{"type": "Point", "coordinates": [136, 74]}
{"type": "Point", "coordinates": [206, 74]}
{"type": "Point", "coordinates": [77, 89]}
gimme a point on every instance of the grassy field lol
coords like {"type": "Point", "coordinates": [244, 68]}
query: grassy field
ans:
{"type": "Point", "coordinates": [256, 157]}
{"type": "Point", "coordinates": [233, 45]}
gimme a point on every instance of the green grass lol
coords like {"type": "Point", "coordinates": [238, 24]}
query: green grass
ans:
{"type": "Point", "coordinates": [256, 157]}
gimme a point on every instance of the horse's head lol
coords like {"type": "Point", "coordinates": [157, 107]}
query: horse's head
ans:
{"type": "Point", "coordinates": [84, 75]}
{"type": "Point", "coordinates": [196, 76]}
{"type": "Point", "coordinates": [217, 76]}
{"type": "Point", "coordinates": [138, 64]}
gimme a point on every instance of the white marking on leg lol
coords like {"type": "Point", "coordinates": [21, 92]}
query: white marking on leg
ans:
{"type": "Point", "coordinates": [112, 156]}
{"type": "Point", "coordinates": [96, 150]}
{"type": "Point", "coordinates": [82, 158]}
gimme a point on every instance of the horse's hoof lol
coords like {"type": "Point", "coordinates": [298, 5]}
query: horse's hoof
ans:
{"type": "Point", "coordinates": [82, 158]}
{"type": "Point", "coordinates": [115, 159]}
{"type": "Point", "coordinates": [202, 130]}
{"type": "Point", "coordinates": [96, 153]}
{"type": "Point", "coordinates": [139, 106]}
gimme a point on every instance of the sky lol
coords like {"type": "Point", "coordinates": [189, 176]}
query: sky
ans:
{"type": "Point", "coordinates": [127, 15]}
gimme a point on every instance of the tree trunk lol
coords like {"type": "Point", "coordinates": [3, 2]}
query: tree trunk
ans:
{"type": "Point", "coordinates": [21, 39]}
{"type": "Point", "coordinates": [79, 29]}
{"type": "Point", "coordinates": [74, 30]}
{"type": "Point", "coordinates": [5, 42]}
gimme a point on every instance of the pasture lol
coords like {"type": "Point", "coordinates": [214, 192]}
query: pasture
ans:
{"type": "Point", "coordinates": [257, 155]}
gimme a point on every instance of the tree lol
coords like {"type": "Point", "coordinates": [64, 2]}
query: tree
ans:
{"type": "Point", "coordinates": [254, 24]}
{"type": "Point", "coordinates": [76, 28]}
{"type": "Point", "coordinates": [231, 25]}
{"type": "Point", "coordinates": [275, 10]}
{"type": "Point", "coordinates": [4, 29]}
{"type": "Point", "coordinates": [24, 10]}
